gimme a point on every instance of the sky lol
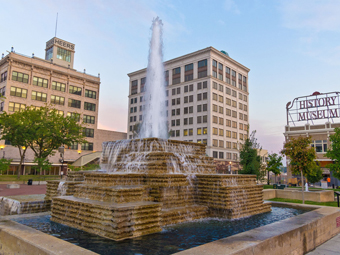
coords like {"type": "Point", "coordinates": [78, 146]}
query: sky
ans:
{"type": "Point", "coordinates": [292, 47]}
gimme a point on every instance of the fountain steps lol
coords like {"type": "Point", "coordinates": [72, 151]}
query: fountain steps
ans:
{"type": "Point", "coordinates": [68, 186]}
{"type": "Point", "coordinates": [229, 200]}
{"type": "Point", "coordinates": [116, 221]}
{"type": "Point", "coordinates": [183, 214]}
{"type": "Point", "coordinates": [76, 175]}
{"type": "Point", "coordinates": [116, 194]}
{"type": "Point", "coordinates": [25, 207]}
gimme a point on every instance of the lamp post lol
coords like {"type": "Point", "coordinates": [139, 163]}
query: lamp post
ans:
{"type": "Point", "coordinates": [61, 150]}
{"type": "Point", "coordinates": [230, 167]}
{"type": "Point", "coordinates": [2, 147]}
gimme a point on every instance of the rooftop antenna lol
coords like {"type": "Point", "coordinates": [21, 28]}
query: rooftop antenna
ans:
{"type": "Point", "coordinates": [56, 26]}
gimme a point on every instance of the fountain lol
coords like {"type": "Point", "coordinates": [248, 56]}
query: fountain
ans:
{"type": "Point", "coordinates": [148, 183]}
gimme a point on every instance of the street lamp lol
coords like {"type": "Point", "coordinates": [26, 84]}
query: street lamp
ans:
{"type": "Point", "coordinates": [2, 147]}
{"type": "Point", "coordinates": [230, 167]}
{"type": "Point", "coordinates": [61, 150]}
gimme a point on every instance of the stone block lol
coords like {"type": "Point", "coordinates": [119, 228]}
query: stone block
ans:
{"type": "Point", "coordinates": [13, 186]}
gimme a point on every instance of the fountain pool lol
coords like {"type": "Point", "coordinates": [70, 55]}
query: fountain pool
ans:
{"type": "Point", "coordinates": [172, 239]}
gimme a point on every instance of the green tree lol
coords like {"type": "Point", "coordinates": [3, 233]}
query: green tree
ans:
{"type": "Point", "coordinates": [301, 156]}
{"type": "Point", "coordinates": [4, 165]}
{"type": "Point", "coordinates": [334, 153]}
{"type": "Point", "coordinates": [273, 164]}
{"type": "Point", "coordinates": [250, 160]}
{"type": "Point", "coordinates": [42, 165]}
{"type": "Point", "coordinates": [17, 128]}
{"type": "Point", "coordinates": [315, 175]}
{"type": "Point", "coordinates": [52, 130]}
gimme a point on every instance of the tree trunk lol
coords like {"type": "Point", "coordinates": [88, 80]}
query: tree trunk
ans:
{"type": "Point", "coordinates": [20, 165]}
{"type": "Point", "coordinates": [303, 197]}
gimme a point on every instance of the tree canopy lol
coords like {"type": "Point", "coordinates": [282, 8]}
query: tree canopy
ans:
{"type": "Point", "coordinates": [43, 130]}
{"type": "Point", "coordinates": [274, 163]}
{"type": "Point", "coordinates": [334, 153]}
{"type": "Point", "coordinates": [301, 156]}
{"type": "Point", "coordinates": [249, 159]}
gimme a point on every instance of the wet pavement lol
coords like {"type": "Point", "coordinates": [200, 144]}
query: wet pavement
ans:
{"type": "Point", "coordinates": [23, 190]}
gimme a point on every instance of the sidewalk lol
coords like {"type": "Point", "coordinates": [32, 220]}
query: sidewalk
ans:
{"type": "Point", "coordinates": [23, 190]}
{"type": "Point", "coordinates": [331, 247]}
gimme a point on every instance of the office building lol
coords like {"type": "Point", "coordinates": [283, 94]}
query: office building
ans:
{"type": "Point", "coordinates": [207, 101]}
{"type": "Point", "coordinates": [34, 82]}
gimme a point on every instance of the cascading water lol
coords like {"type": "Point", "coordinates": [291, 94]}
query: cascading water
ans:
{"type": "Point", "coordinates": [154, 117]}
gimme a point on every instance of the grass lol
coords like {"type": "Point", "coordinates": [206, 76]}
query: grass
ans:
{"type": "Point", "coordinates": [310, 188]}
{"type": "Point", "coordinates": [334, 204]}
{"type": "Point", "coordinates": [25, 178]}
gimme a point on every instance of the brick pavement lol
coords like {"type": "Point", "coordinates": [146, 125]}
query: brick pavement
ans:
{"type": "Point", "coordinates": [23, 190]}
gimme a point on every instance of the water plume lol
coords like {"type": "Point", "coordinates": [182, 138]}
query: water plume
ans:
{"type": "Point", "coordinates": [154, 116]}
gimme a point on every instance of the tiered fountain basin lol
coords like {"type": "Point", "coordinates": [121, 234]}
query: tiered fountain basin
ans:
{"type": "Point", "coordinates": [154, 183]}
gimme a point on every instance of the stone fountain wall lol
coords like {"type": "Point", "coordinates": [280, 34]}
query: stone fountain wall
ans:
{"type": "Point", "coordinates": [164, 189]}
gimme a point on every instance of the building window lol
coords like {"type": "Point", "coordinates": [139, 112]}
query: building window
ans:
{"type": "Point", "coordinates": [205, 131]}
{"type": "Point", "coordinates": [88, 132]}
{"type": "Point", "coordinates": [221, 154]}
{"type": "Point", "coordinates": [221, 132]}
{"type": "Point", "coordinates": [205, 96]}
{"type": "Point", "coordinates": [189, 67]}
{"type": "Point", "coordinates": [40, 82]}
{"type": "Point", "coordinates": [64, 54]}
{"type": "Point", "coordinates": [21, 77]}
{"type": "Point", "coordinates": [214, 154]}
{"type": "Point", "coordinates": [49, 53]}
{"type": "Point", "coordinates": [134, 87]}
{"type": "Point", "coordinates": [234, 124]}
{"type": "Point", "coordinates": [178, 133]}
{"type": "Point", "coordinates": [87, 146]}
{"type": "Point", "coordinates": [39, 96]}
{"type": "Point", "coordinates": [202, 68]}
{"type": "Point", "coordinates": [202, 63]}
{"type": "Point", "coordinates": [74, 115]}
{"type": "Point", "coordinates": [57, 100]}
{"type": "Point", "coordinates": [320, 145]}
{"type": "Point", "coordinates": [74, 103]}
{"type": "Point", "coordinates": [205, 107]}
{"type": "Point", "coordinates": [18, 92]}
{"type": "Point", "coordinates": [15, 107]}
{"type": "Point", "coordinates": [3, 76]}
{"type": "Point", "coordinates": [234, 135]}
{"type": "Point", "coordinates": [215, 142]}
{"type": "Point", "coordinates": [215, 131]}
{"type": "Point", "coordinates": [2, 106]}
{"type": "Point", "coordinates": [58, 86]}
{"type": "Point", "coordinates": [205, 118]}
{"type": "Point", "coordinates": [74, 146]}
{"type": "Point", "coordinates": [228, 133]}
{"type": "Point", "coordinates": [91, 107]}
{"type": "Point", "coordinates": [74, 90]}
{"type": "Point", "coordinates": [199, 131]}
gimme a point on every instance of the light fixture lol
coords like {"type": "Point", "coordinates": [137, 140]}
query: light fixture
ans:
{"type": "Point", "coordinates": [79, 151]}
{"type": "Point", "coordinates": [2, 147]}
{"type": "Point", "coordinates": [23, 147]}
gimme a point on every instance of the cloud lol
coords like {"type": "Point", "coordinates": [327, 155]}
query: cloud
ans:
{"type": "Point", "coordinates": [231, 6]}
{"type": "Point", "coordinates": [315, 16]}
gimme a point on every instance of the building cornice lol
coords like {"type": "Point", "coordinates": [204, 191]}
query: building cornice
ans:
{"type": "Point", "coordinates": [52, 67]}
{"type": "Point", "coordinates": [205, 50]}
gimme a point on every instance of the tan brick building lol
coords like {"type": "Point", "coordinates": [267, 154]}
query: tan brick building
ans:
{"type": "Point", "coordinates": [35, 82]}
{"type": "Point", "coordinates": [207, 101]}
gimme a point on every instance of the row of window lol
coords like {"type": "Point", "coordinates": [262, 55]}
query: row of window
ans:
{"type": "Point", "coordinates": [176, 75]}
{"type": "Point", "coordinates": [220, 155]}
{"type": "Point", "coordinates": [228, 133]}
{"type": "Point", "coordinates": [84, 146]}
{"type": "Point", "coordinates": [41, 82]}
{"type": "Point", "coordinates": [229, 91]}
{"type": "Point", "coordinates": [220, 143]}
{"type": "Point", "coordinates": [219, 74]}
{"type": "Point", "coordinates": [40, 96]}
{"type": "Point", "coordinates": [14, 107]}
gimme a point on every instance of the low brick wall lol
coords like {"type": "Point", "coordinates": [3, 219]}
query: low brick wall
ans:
{"type": "Point", "coordinates": [316, 196]}
{"type": "Point", "coordinates": [269, 194]}
{"type": "Point", "coordinates": [296, 235]}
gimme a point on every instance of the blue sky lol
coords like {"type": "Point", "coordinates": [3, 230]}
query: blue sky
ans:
{"type": "Point", "coordinates": [292, 47]}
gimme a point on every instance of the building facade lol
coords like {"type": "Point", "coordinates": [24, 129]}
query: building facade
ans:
{"type": "Point", "coordinates": [35, 82]}
{"type": "Point", "coordinates": [207, 102]}
{"type": "Point", "coordinates": [314, 116]}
